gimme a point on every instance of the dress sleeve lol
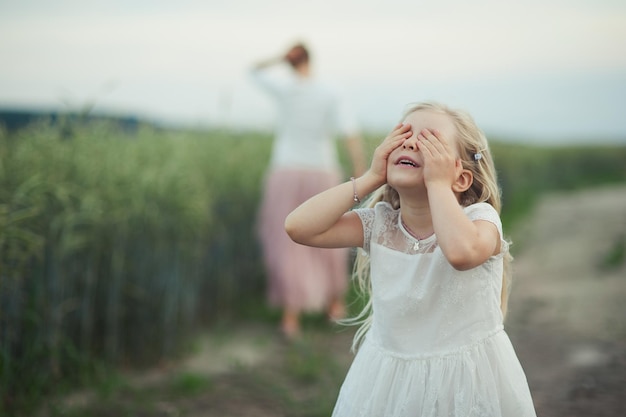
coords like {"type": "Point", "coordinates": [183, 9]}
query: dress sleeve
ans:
{"type": "Point", "coordinates": [486, 212]}
{"type": "Point", "coordinates": [367, 219]}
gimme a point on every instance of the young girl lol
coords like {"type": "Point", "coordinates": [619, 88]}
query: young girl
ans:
{"type": "Point", "coordinates": [432, 342]}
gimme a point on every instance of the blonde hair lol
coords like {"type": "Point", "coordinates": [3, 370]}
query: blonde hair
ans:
{"type": "Point", "coordinates": [471, 141]}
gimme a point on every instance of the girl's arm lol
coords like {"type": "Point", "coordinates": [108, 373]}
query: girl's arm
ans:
{"type": "Point", "coordinates": [324, 220]}
{"type": "Point", "coordinates": [465, 243]}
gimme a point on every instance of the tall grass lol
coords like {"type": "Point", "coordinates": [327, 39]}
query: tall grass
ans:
{"type": "Point", "coordinates": [115, 247]}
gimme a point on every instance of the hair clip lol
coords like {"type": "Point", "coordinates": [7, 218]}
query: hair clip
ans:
{"type": "Point", "coordinates": [478, 156]}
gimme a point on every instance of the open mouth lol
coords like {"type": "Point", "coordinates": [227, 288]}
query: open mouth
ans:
{"type": "Point", "coordinates": [407, 162]}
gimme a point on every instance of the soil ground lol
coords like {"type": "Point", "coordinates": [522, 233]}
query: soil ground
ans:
{"type": "Point", "coordinates": [566, 320]}
{"type": "Point", "coordinates": [568, 306]}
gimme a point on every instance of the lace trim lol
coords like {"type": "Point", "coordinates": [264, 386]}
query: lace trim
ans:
{"type": "Point", "coordinates": [367, 216]}
{"type": "Point", "coordinates": [382, 225]}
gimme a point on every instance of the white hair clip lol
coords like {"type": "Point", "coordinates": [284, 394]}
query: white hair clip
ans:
{"type": "Point", "coordinates": [478, 156]}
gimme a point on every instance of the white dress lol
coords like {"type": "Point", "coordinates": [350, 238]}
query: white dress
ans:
{"type": "Point", "coordinates": [436, 346]}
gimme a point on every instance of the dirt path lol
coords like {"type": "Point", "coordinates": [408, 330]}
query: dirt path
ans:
{"type": "Point", "coordinates": [566, 322]}
{"type": "Point", "coordinates": [568, 307]}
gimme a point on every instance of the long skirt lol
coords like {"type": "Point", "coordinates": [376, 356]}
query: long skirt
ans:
{"type": "Point", "coordinates": [300, 277]}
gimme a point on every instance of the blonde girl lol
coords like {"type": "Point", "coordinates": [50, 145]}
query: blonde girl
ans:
{"type": "Point", "coordinates": [433, 342]}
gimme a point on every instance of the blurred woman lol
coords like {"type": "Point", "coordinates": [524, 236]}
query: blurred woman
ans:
{"type": "Point", "coordinates": [304, 161]}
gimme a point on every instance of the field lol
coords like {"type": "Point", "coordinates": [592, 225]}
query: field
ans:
{"type": "Point", "coordinates": [564, 322]}
{"type": "Point", "coordinates": [127, 251]}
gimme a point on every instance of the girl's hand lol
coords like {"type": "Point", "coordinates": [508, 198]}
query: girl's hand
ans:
{"type": "Point", "coordinates": [395, 139]}
{"type": "Point", "coordinates": [441, 164]}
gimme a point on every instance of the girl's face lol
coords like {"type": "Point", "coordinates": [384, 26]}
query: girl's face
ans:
{"type": "Point", "coordinates": [405, 163]}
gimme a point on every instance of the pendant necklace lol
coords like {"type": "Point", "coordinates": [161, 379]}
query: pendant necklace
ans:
{"type": "Point", "coordinates": [416, 244]}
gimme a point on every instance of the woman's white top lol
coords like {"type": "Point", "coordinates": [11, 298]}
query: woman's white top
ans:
{"type": "Point", "coordinates": [436, 346]}
{"type": "Point", "coordinates": [310, 115]}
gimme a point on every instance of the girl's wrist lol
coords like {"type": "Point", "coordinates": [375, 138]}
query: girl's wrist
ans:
{"type": "Point", "coordinates": [440, 184]}
{"type": "Point", "coordinates": [439, 188]}
{"type": "Point", "coordinates": [364, 185]}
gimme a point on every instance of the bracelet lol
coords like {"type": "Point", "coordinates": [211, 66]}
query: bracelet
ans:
{"type": "Point", "coordinates": [355, 197]}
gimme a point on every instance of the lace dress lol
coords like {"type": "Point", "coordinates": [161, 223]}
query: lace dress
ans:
{"type": "Point", "coordinates": [436, 346]}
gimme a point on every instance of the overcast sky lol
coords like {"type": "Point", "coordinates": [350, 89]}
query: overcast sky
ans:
{"type": "Point", "coordinates": [536, 70]}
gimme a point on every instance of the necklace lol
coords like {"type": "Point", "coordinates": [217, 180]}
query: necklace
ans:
{"type": "Point", "coordinates": [416, 245]}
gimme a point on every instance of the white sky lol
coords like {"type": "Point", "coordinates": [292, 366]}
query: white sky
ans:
{"type": "Point", "coordinates": [538, 69]}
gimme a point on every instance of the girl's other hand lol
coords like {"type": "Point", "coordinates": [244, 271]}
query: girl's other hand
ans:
{"type": "Point", "coordinates": [395, 139]}
{"type": "Point", "coordinates": [441, 164]}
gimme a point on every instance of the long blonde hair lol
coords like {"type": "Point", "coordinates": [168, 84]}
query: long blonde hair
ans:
{"type": "Point", "coordinates": [471, 140]}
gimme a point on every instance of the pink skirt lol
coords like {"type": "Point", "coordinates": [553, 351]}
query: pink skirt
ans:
{"type": "Point", "coordinates": [300, 277]}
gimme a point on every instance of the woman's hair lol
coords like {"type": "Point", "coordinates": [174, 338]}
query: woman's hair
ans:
{"type": "Point", "coordinates": [471, 142]}
{"type": "Point", "coordinates": [297, 55]}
